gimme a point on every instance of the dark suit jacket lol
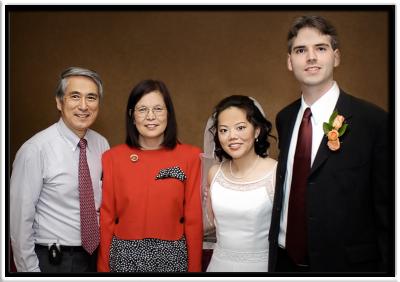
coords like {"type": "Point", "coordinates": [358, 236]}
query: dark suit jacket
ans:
{"type": "Point", "coordinates": [349, 192]}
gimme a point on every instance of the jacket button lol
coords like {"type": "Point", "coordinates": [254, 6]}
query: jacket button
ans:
{"type": "Point", "coordinates": [181, 220]}
{"type": "Point", "coordinates": [116, 220]}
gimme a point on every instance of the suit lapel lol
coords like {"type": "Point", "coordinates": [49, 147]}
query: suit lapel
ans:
{"type": "Point", "coordinates": [291, 120]}
{"type": "Point", "coordinates": [343, 106]}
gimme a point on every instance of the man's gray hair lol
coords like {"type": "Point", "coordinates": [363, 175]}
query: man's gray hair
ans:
{"type": "Point", "coordinates": [76, 71]}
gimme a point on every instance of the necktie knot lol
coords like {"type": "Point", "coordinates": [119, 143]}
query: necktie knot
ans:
{"type": "Point", "coordinates": [82, 143]}
{"type": "Point", "coordinates": [307, 114]}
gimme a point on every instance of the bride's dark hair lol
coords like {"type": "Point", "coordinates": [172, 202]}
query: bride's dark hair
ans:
{"type": "Point", "coordinates": [253, 115]}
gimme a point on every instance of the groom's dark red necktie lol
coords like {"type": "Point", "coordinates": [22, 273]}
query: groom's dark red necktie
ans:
{"type": "Point", "coordinates": [296, 230]}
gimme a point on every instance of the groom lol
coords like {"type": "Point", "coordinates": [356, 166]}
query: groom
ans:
{"type": "Point", "coordinates": [333, 198]}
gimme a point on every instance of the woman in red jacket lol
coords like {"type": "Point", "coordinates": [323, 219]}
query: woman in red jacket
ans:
{"type": "Point", "coordinates": [150, 217]}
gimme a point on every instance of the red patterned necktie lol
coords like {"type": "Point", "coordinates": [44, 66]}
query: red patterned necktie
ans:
{"type": "Point", "coordinates": [89, 226]}
{"type": "Point", "coordinates": [296, 231]}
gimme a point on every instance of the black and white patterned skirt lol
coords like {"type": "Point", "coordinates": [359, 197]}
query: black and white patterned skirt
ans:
{"type": "Point", "coordinates": [148, 255]}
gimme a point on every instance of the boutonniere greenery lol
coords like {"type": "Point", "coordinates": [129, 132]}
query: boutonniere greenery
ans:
{"type": "Point", "coordinates": [334, 129]}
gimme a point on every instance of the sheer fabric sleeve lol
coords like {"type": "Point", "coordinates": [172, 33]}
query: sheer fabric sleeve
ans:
{"type": "Point", "coordinates": [271, 184]}
{"type": "Point", "coordinates": [208, 216]}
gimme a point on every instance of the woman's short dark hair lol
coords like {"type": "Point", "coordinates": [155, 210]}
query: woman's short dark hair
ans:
{"type": "Point", "coordinates": [253, 115]}
{"type": "Point", "coordinates": [142, 88]}
{"type": "Point", "coordinates": [320, 23]}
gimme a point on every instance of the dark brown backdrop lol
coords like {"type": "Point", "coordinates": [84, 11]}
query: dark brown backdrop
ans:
{"type": "Point", "coordinates": [202, 56]}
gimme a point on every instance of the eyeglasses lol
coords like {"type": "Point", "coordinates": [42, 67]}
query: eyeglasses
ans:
{"type": "Point", "coordinates": [144, 111]}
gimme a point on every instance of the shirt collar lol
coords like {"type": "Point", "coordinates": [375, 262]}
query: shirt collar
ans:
{"type": "Point", "coordinates": [70, 137]}
{"type": "Point", "coordinates": [324, 106]}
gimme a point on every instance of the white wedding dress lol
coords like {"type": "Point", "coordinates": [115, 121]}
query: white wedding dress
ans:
{"type": "Point", "coordinates": [242, 217]}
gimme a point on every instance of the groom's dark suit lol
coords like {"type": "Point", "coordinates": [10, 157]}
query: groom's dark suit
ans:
{"type": "Point", "coordinates": [349, 196]}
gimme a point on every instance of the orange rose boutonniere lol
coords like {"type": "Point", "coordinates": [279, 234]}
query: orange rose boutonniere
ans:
{"type": "Point", "coordinates": [333, 129]}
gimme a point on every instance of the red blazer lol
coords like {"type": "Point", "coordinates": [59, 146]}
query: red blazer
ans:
{"type": "Point", "coordinates": [136, 205]}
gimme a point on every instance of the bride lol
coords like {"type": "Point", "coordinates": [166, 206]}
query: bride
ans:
{"type": "Point", "coordinates": [240, 188]}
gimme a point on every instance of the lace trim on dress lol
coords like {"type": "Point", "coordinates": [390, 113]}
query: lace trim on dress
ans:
{"type": "Point", "coordinates": [268, 181]}
{"type": "Point", "coordinates": [225, 254]}
{"type": "Point", "coordinates": [241, 186]}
